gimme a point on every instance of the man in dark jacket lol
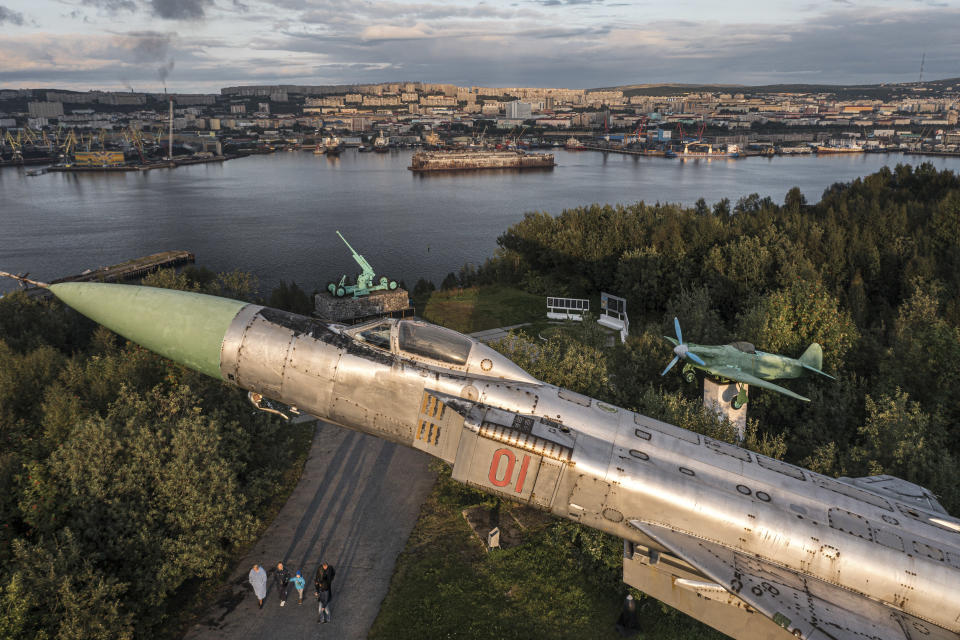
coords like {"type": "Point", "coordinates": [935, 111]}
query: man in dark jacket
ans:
{"type": "Point", "coordinates": [281, 580]}
{"type": "Point", "coordinates": [323, 584]}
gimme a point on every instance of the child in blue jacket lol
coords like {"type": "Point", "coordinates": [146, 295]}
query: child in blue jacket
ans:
{"type": "Point", "coordinates": [298, 583]}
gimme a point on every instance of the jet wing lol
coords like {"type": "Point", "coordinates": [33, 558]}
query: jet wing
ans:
{"type": "Point", "coordinates": [805, 606]}
{"type": "Point", "coordinates": [732, 373]}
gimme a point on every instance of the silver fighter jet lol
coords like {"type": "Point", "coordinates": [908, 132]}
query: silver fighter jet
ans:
{"type": "Point", "coordinates": [754, 547]}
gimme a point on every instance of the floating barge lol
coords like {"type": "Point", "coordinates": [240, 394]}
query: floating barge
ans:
{"type": "Point", "coordinates": [839, 149]}
{"type": "Point", "coordinates": [423, 161]}
{"type": "Point", "coordinates": [700, 150]}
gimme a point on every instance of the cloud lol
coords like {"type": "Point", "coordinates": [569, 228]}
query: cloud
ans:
{"type": "Point", "coordinates": [835, 46]}
{"type": "Point", "coordinates": [111, 6]}
{"type": "Point", "coordinates": [566, 3]}
{"type": "Point", "coordinates": [357, 15]}
{"type": "Point", "coordinates": [391, 32]}
{"type": "Point", "coordinates": [347, 41]}
{"type": "Point", "coordinates": [10, 16]}
{"type": "Point", "coordinates": [144, 58]}
{"type": "Point", "coordinates": [180, 9]}
{"type": "Point", "coordinates": [146, 46]}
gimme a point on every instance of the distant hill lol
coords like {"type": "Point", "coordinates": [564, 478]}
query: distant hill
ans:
{"type": "Point", "coordinates": [872, 91]}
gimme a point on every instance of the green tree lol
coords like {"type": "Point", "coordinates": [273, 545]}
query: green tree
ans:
{"type": "Point", "coordinates": [291, 298]}
{"type": "Point", "coordinates": [900, 439]}
{"type": "Point", "coordinates": [788, 320]}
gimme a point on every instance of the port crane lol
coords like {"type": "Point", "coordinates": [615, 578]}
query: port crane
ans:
{"type": "Point", "coordinates": [134, 137]}
{"type": "Point", "coordinates": [516, 140]}
{"type": "Point", "coordinates": [641, 129]}
{"type": "Point", "coordinates": [15, 146]}
{"type": "Point", "coordinates": [69, 144]}
{"type": "Point", "coordinates": [700, 130]}
{"type": "Point", "coordinates": [482, 137]}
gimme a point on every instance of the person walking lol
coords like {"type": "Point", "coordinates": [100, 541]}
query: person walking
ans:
{"type": "Point", "coordinates": [281, 580]}
{"type": "Point", "coordinates": [323, 583]}
{"type": "Point", "coordinates": [299, 583]}
{"type": "Point", "coordinates": [258, 580]}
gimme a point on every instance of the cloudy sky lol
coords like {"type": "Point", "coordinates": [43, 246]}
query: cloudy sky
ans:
{"type": "Point", "coordinates": [202, 45]}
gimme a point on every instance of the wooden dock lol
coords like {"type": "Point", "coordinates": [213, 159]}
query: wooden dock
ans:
{"type": "Point", "coordinates": [131, 269]}
{"type": "Point", "coordinates": [123, 272]}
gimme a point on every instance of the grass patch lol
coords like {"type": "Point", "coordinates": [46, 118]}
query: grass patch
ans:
{"type": "Point", "coordinates": [478, 308]}
{"type": "Point", "coordinates": [563, 581]}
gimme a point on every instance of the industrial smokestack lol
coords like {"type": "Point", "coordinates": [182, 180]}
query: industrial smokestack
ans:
{"type": "Point", "coordinates": [170, 134]}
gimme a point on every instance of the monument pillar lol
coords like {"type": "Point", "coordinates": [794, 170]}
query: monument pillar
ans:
{"type": "Point", "coordinates": [720, 398]}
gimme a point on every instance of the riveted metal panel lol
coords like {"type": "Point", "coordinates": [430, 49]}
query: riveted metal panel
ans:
{"type": "Point", "coordinates": [888, 539]}
{"type": "Point", "coordinates": [588, 498]}
{"type": "Point", "coordinates": [233, 339]}
{"type": "Point", "coordinates": [438, 428]}
{"type": "Point", "coordinates": [263, 356]}
{"type": "Point", "coordinates": [548, 479]}
{"type": "Point", "coordinates": [851, 492]}
{"type": "Point", "coordinates": [848, 522]}
{"type": "Point", "coordinates": [349, 412]}
{"type": "Point", "coordinates": [781, 467]}
{"type": "Point", "coordinates": [728, 449]}
{"type": "Point", "coordinates": [310, 374]}
{"type": "Point", "coordinates": [496, 467]}
{"type": "Point", "coordinates": [573, 396]}
{"type": "Point", "coordinates": [667, 429]}
{"type": "Point", "coordinates": [509, 397]}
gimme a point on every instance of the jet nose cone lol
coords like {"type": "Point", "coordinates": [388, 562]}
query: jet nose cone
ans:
{"type": "Point", "coordinates": [183, 326]}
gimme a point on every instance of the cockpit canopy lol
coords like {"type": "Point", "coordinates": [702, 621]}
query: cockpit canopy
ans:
{"type": "Point", "coordinates": [436, 343]}
{"type": "Point", "coordinates": [746, 347]}
{"type": "Point", "coordinates": [439, 348]}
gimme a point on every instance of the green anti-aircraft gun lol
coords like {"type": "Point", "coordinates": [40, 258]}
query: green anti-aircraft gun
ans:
{"type": "Point", "coordinates": [365, 279]}
{"type": "Point", "coordinates": [742, 363]}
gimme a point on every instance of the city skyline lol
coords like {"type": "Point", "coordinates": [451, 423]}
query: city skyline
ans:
{"type": "Point", "coordinates": [203, 45]}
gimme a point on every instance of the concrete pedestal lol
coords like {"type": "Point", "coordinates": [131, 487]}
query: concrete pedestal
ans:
{"type": "Point", "coordinates": [350, 309]}
{"type": "Point", "coordinates": [719, 398]}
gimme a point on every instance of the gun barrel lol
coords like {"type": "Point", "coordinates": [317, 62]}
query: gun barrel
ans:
{"type": "Point", "coordinates": [352, 250]}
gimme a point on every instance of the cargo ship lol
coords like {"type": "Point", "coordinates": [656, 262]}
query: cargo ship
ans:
{"type": "Point", "coordinates": [704, 150]}
{"type": "Point", "coordinates": [794, 150]}
{"type": "Point", "coordinates": [471, 160]}
{"type": "Point", "coordinates": [847, 148]}
{"type": "Point", "coordinates": [332, 146]}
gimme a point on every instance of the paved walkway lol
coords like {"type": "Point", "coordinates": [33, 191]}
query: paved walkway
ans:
{"type": "Point", "coordinates": [355, 505]}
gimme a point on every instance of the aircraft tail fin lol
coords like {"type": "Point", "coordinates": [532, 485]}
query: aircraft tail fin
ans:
{"type": "Point", "coordinates": [812, 360]}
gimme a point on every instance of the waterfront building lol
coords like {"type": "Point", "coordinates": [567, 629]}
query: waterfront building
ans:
{"type": "Point", "coordinates": [518, 110]}
{"type": "Point", "coordinates": [45, 109]}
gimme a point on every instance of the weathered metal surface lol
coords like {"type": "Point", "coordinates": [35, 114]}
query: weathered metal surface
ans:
{"type": "Point", "coordinates": [471, 160]}
{"type": "Point", "coordinates": [821, 558]}
{"type": "Point", "coordinates": [670, 579]}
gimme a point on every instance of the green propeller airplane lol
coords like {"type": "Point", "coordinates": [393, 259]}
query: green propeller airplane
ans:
{"type": "Point", "coordinates": [742, 363]}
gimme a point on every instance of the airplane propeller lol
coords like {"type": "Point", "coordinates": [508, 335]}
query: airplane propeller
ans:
{"type": "Point", "coordinates": [681, 351]}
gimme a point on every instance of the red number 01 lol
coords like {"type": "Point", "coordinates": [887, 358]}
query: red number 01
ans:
{"type": "Point", "coordinates": [508, 475]}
